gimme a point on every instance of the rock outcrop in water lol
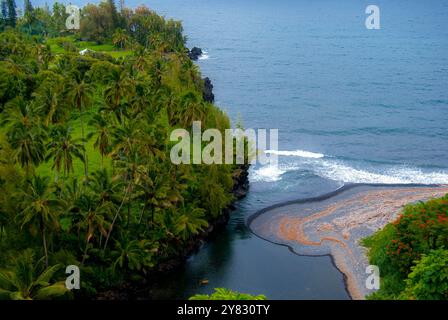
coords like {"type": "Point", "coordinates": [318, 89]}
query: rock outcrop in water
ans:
{"type": "Point", "coordinates": [207, 91]}
{"type": "Point", "coordinates": [195, 53]}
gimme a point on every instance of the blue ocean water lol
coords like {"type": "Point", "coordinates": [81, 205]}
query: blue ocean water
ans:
{"type": "Point", "coordinates": [351, 105]}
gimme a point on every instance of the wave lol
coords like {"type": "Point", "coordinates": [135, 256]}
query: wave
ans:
{"type": "Point", "coordinates": [204, 55]}
{"type": "Point", "coordinates": [268, 173]}
{"type": "Point", "coordinates": [296, 153]}
{"type": "Point", "coordinates": [338, 170]}
{"type": "Point", "coordinates": [398, 175]}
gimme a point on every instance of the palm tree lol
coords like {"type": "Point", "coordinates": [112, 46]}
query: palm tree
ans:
{"type": "Point", "coordinates": [81, 96]}
{"type": "Point", "coordinates": [19, 115]}
{"type": "Point", "coordinates": [133, 254]}
{"type": "Point", "coordinates": [25, 282]}
{"type": "Point", "coordinates": [29, 148]}
{"type": "Point", "coordinates": [62, 148]}
{"type": "Point", "coordinates": [44, 55]}
{"type": "Point", "coordinates": [48, 102]}
{"type": "Point", "coordinates": [214, 190]}
{"type": "Point", "coordinates": [39, 208]}
{"type": "Point", "coordinates": [102, 131]}
{"type": "Point", "coordinates": [169, 100]}
{"type": "Point", "coordinates": [132, 170]}
{"type": "Point", "coordinates": [193, 108]}
{"type": "Point", "coordinates": [126, 137]}
{"type": "Point", "coordinates": [157, 193]}
{"type": "Point", "coordinates": [24, 134]}
{"type": "Point", "coordinates": [94, 218]}
{"type": "Point", "coordinates": [120, 87]}
{"type": "Point", "coordinates": [105, 187]}
{"type": "Point", "coordinates": [140, 57]}
{"type": "Point", "coordinates": [120, 39]}
{"type": "Point", "coordinates": [190, 221]}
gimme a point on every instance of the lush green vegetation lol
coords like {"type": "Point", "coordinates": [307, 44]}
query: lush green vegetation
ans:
{"type": "Point", "coordinates": [85, 173]}
{"type": "Point", "coordinates": [226, 294]}
{"type": "Point", "coordinates": [412, 253]}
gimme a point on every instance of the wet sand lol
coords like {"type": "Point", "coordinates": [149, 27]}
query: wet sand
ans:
{"type": "Point", "coordinates": [335, 223]}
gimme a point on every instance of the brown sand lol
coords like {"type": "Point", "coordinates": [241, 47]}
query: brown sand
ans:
{"type": "Point", "coordinates": [372, 209]}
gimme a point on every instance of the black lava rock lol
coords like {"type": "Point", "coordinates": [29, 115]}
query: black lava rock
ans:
{"type": "Point", "coordinates": [207, 91]}
{"type": "Point", "coordinates": [195, 53]}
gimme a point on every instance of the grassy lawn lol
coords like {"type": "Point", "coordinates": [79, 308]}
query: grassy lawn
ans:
{"type": "Point", "coordinates": [81, 45]}
{"type": "Point", "coordinates": [93, 155]}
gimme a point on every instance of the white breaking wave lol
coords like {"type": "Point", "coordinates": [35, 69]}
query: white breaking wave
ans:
{"type": "Point", "coordinates": [296, 153]}
{"type": "Point", "coordinates": [268, 173]}
{"type": "Point", "coordinates": [204, 55]}
{"type": "Point", "coordinates": [340, 172]}
{"type": "Point", "coordinates": [335, 170]}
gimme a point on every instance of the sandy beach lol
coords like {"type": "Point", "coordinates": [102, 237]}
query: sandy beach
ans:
{"type": "Point", "coordinates": [334, 224]}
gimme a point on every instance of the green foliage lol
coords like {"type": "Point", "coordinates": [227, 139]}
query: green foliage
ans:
{"type": "Point", "coordinates": [429, 277]}
{"type": "Point", "coordinates": [419, 234]}
{"type": "Point", "coordinates": [226, 294]}
{"type": "Point", "coordinates": [85, 174]}
{"type": "Point", "coordinates": [25, 281]}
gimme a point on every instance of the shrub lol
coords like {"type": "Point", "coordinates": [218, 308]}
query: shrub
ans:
{"type": "Point", "coordinates": [429, 277]}
{"type": "Point", "coordinates": [420, 230]}
{"type": "Point", "coordinates": [226, 294]}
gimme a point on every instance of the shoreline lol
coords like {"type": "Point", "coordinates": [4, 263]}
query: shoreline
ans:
{"type": "Point", "coordinates": [333, 224]}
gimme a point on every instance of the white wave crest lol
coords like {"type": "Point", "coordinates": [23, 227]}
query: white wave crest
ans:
{"type": "Point", "coordinates": [204, 55]}
{"type": "Point", "coordinates": [340, 172]}
{"type": "Point", "coordinates": [268, 173]}
{"type": "Point", "coordinates": [296, 153]}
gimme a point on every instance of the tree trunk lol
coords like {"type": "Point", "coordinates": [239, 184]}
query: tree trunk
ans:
{"type": "Point", "coordinates": [44, 239]}
{"type": "Point", "coordinates": [141, 214]}
{"type": "Point", "coordinates": [86, 173]}
{"type": "Point", "coordinates": [84, 256]}
{"type": "Point", "coordinates": [115, 217]}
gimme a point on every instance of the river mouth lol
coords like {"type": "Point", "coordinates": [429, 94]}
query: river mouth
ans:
{"type": "Point", "coordinates": [334, 224]}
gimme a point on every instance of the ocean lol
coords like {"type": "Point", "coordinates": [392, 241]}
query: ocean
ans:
{"type": "Point", "coordinates": [352, 105]}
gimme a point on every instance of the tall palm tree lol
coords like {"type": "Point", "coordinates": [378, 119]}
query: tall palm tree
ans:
{"type": "Point", "coordinates": [101, 128]}
{"type": "Point", "coordinates": [81, 96]}
{"type": "Point", "coordinates": [25, 281]}
{"type": "Point", "coordinates": [24, 134]}
{"type": "Point", "coordinates": [120, 39]}
{"type": "Point", "coordinates": [192, 108]}
{"type": "Point", "coordinates": [126, 137]}
{"type": "Point", "coordinates": [40, 208]}
{"type": "Point", "coordinates": [167, 99]}
{"type": "Point", "coordinates": [133, 254]}
{"type": "Point", "coordinates": [118, 91]}
{"type": "Point", "coordinates": [44, 55]}
{"type": "Point", "coordinates": [140, 57]}
{"type": "Point", "coordinates": [49, 102]}
{"type": "Point", "coordinates": [94, 218]}
{"type": "Point", "coordinates": [190, 221]}
{"type": "Point", "coordinates": [62, 149]}
{"type": "Point", "coordinates": [157, 192]}
{"type": "Point", "coordinates": [19, 115]}
{"type": "Point", "coordinates": [104, 186]}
